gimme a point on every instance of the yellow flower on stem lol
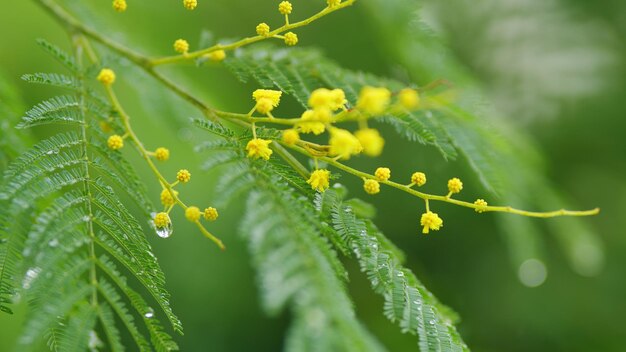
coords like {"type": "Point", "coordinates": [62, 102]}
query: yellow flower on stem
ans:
{"type": "Point", "coordinates": [319, 180]}
{"type": "Point", "coordinates": [430, 221]}
{"type": "Point", "coordinates": [259, 148]}
{"type": "Point", "coordinates": [210, 214]}
{"type": "Point", "coordinates": [373, 101]}
{"type": "Point", "coordinates": [343, 144]}
{"type": "Point", "coordinates": [371, 141]}
{"type": "Point", "coordinates": [371, 186]}
{"type": "Point", "coordinates": [192, 214]}
{"type": "Point", "coordinates": [418, 178]}
{"type": "Point", "coordinates": [383, 173]}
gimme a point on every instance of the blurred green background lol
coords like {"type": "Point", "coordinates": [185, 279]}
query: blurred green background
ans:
{"type": "Point", "coordinates": [555, 69]}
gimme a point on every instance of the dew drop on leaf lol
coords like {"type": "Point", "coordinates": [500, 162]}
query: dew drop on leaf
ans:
{"type": "Point", "coordinates": [149, 314]}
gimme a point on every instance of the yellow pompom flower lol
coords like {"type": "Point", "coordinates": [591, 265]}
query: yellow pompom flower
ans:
{"type": "Point", "coordinates": [343, 144]}
{"type": "Point", "coordinates": [167, 199]}
{"type": "Point", "coordinates": [329, 99]}
{"type": "Point", "coordinates": [264, 106]}
{"type": "Point", "coordinates": [210, 214]}
{"type": "Point", "coordinates": [323, 115]}
{"type": "Point", "coordinates": [482, 205]}
{"type": "Point", "coordinates": [162, 154]}
{"type": "Point", "coordinates": [339, 99]}
{"type": "Point", "coordinates": [373, 101]}
{"type": "Point", "coordinates": [263, 29]}
{"type": "Point", "coordinates": [455, 185]}
{"type": "Point", "coordinates": [119, 5]}
{"type": "Point", "coordinates": [319, 180]}
{"type": "Point", "coordinates": [216, 56]}
{"type": "Point", "coordinates": [320, 97]}
{"type": "Point", "coordinates": [430, 221]}
{"type": "Point", "coordinates": [183, 176]}
{"type": "Point", "coordinates": [290, 136]}
{"type": "Point", "coordinates": [115, 142]}
{"type": "Point", "coordinates": [333, 3]}
{"type": "Point", "coordinates": [192, 214]}
{"type": "Point", "coordinates": [418, 178]}
{"type": "Point", "coordinates": [162, 220]}
{"type": "Point", "coordinates": [190, 4]}
{"type": "Point", "coordinates": [312, 127]}
{"type": "Point", "coordinates": [106, 76]}
{"type": "Point", "coordinates": [310, 124]}
{"type": "Point", "coordinates": [291, 38]}
{"type": "Point", "coordinates": [409, 98]}
{"type": "Point", "coordinates": [181, 46]}
{"type": "Point", "coordinates": [259, 148]}
{"type": "Point", "coordinates": [272, 95]}
{"type": "Point", "coordinates": [371, 141]}
{"type": "Point", "coordinates": [285, 8]}
{"type": "Point", "coordinates": [371, 186]}
{"type": "Point", "coordinates": [383, 173]}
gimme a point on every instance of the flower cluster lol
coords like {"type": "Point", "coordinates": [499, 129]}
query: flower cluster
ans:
{"type": "Point", "coordinates": [258, 148]}
{"type": "Point", "coordinates": [326, 107]}
{"type": "Point", "coordinates": [319, 180]}
{"type": "Point", "coordinates": [181, 46]}
{"type": "Point", "coordinates": [115, 142]}
{"type": "Point", "coordinates": [119, 5]}
{"type": "Point", "coordinates": [190, 4]}
{"type": "Point", "coordinates": [106, 76]}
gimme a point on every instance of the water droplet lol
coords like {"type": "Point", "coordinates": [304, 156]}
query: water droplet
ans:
{"type": "Point", "coordinates": [94, 341]}
{"type": "Point", "coordinates": [52, 151]}
{"type": "Point", "coordinates": [31, 275]}
{"type": "Point", "coordinates": [432, 322]}
{"type": "Point", "coordinates": [348, 210]}
{"type": "Point", "coordinates": [400, 274]}
{"type": "Point", "coordinates": [164, 232]}
{"type": "Point", "coordinates": [149, 314]}
{"type": "Point", "coordinates": [53, 242]}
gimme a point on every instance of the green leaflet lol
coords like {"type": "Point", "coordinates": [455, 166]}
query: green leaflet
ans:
{"type": "Point", "coordinates": [296, 266]}
{"type": "Point", "coordinates": [60, 199]}
{"type": "Point", "coordinates": [407, 301]}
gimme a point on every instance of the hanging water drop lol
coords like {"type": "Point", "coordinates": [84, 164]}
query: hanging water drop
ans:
{"type": "Point", "coordinates": [164, 232]}
{"type": "Point", "coordinates": [53, 242]}
{"type": "Point", "coordinates": [149, 314]}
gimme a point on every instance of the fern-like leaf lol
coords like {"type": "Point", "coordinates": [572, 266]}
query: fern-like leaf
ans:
{"type": "Point", "coordinates": [407, 301]}
{"type": "Point", "coordinates": [296, 266]}
{"type": "Point", "coordinates": [60, 209]}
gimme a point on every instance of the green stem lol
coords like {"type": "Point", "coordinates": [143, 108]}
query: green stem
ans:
{"type": "Point", "coordinates": [249, 40]}
{"type": "Point", "coordinates": [446, 199]}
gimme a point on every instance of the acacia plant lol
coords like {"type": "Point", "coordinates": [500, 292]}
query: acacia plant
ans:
{"type": "Point", "coordinates": [73, 250]}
